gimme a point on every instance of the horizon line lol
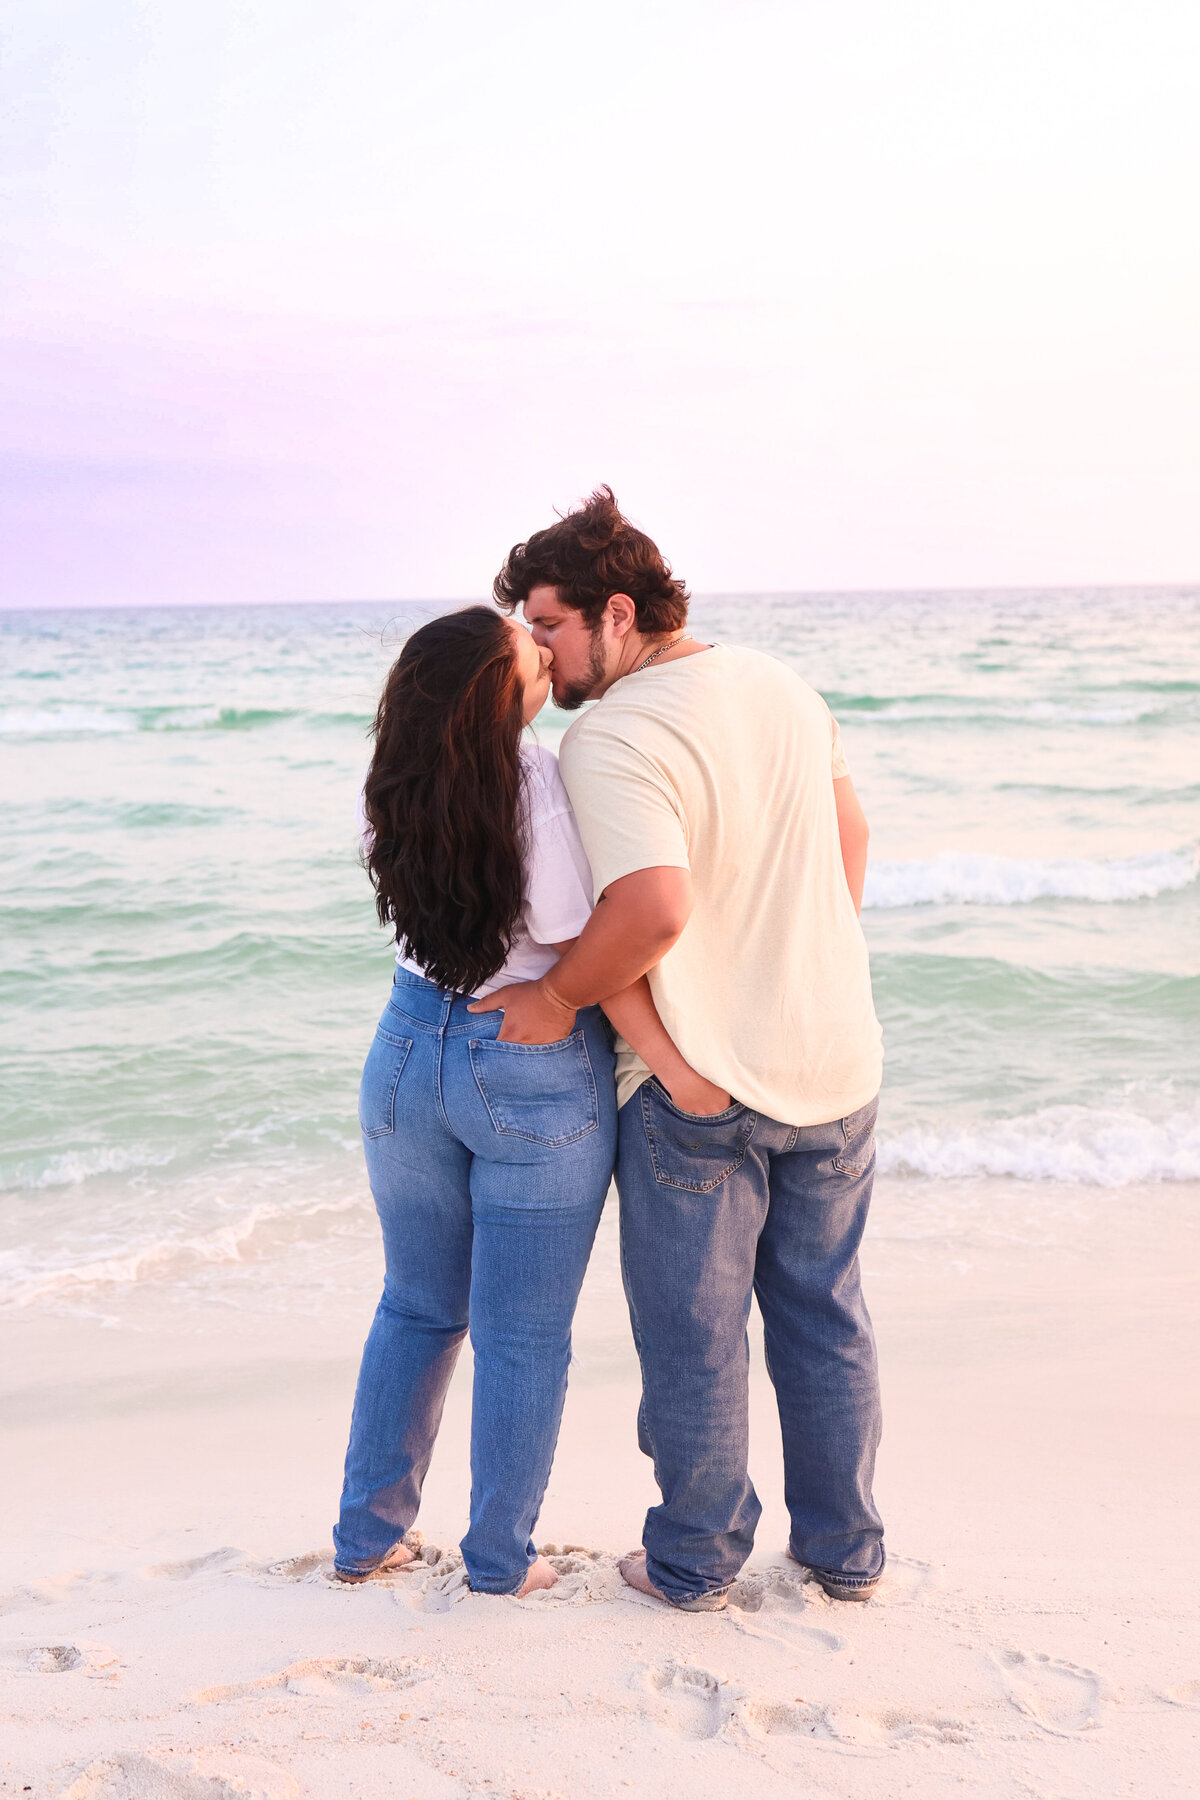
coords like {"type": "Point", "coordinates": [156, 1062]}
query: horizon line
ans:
{"type": "Point", "coordinates": [449, 601]}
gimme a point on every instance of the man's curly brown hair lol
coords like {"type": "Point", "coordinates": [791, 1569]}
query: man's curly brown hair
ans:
{"type": "Point", "coordinates": [590, 554]}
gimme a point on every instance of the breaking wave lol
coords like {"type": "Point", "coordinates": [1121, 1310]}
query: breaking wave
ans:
{"type": "Point", "coordinates": [26, 1279]}
{"type": "Point", "coordinates": [91, 721]}
{"type": "Point", "coordinates": [1101, 1148]}
{"type": "Point", "coordinates": [970, 878]}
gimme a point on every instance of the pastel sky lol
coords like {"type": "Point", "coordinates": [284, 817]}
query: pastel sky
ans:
{"type": "Point", "coordinates": [312, 301]}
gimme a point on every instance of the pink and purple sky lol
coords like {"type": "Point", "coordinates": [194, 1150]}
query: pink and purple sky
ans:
{"type": "Point", "coordinates": [315, 302]}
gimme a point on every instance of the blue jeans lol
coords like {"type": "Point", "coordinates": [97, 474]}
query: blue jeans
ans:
{"type": "Point", "coordinates": [489, 1164]}
{"type": "Point", "coordinates": [713, 1210]}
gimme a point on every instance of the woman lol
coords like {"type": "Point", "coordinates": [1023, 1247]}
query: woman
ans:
{"type": "Point", "coordinates": [488, 1161]}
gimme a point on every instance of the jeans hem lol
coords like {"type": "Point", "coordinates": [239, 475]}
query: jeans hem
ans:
{"type": "Point", "coordinates": [836, 1576]}
{"type": "Point", "coordinates": [708, 1601]}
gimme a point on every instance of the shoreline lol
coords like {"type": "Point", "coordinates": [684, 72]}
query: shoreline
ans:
{"type": "Point", "coordinates": [1037, 1633]}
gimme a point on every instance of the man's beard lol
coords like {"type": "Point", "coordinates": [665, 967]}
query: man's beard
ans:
{"type": "Point", "coordinates": [573, 697]}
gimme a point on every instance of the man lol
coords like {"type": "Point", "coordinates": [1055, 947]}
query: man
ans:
{"type": "Point", "coordinates": [728, 852]}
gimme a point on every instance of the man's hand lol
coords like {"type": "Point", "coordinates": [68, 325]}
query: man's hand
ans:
{"type": "Point", "coordinates": [532, 1015]}
{"type": "Point", "coordinates": [691, 1093]}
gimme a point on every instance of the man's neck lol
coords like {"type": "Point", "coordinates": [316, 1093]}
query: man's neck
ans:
{"type": "Point", "coordinates": [665, 647]}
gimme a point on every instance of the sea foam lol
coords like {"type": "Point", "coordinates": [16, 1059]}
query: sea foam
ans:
{"type": "Point", "coordinates": [970, 878]}
{"type": "Point", "coordinates": [27, 1277]}
{"type": "Point", "coordinates": [22, 721]}
{"type": "Point", "coordinates": [1101, 1147]}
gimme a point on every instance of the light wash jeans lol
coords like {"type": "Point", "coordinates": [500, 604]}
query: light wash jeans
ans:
{"type": "Point", "coordinates": [713, 1210]}
{"type": "Point", "coordinates": [489, 1164]}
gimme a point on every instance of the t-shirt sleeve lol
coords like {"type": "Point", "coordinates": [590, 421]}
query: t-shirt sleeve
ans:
{"type": "Point", "coordinates": [629, 815]}
{"type": "Point", "coordinates": [558, 881]}
{"type": "Point", "coordinates": [840, 765]}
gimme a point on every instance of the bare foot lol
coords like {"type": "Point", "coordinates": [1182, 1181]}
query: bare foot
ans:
{"type": "Point", "coordinates": [633, 1571]}
{"type": "Point", "coordinates": [541, 1575]}
{"type": "Point", "coordinates": [399, 1558]}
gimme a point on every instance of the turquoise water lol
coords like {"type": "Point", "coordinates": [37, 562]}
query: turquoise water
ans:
{"type": "Point", "coordinates": [192, 968]}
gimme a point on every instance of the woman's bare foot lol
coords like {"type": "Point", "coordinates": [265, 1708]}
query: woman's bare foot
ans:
{"type": "Point", "coordinates": [541, 1575]}
{"type": "Point", "coordinates": [633, 1571]}
{"type": "Point", "coordinates": [399, 1558]}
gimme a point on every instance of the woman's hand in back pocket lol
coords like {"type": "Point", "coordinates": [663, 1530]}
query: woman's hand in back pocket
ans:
{"type": "Point", "coordinates": [532, 1015]}
{"type": "Point", "coordinates": [691, 1093]}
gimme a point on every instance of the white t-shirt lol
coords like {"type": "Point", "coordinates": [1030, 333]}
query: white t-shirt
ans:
{"type": "Point", "coordinates": [723, 763]}
{"type": "Point", "coordinates": [558, 881]}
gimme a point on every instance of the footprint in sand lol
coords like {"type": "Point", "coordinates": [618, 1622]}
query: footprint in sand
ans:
{"type": "Point", "coordinates": [772, 1605]}
{"type": "Point", "coordinates": [1184, 1693]}
{"type": "Point", "coordinates": [903, 1581]}
{"type": "Point", "coordinates": [213, 1562]}
{"type": "Point", "coordinates": [147, 1775]}
{"type": "Point", "coordinates": [688, 1700]}
{"type": "Point", "coordinates": [305, 1567]}
{"type": "Point", "coordinates": [57, 1659]}
{"type": "Point", "coordinates": [24, 1599]}
{"type": "Point", "coordinates": [1059, 1696]}
{"type": "Point", "coordinates": [41, 1659]}
{"type": "Point", "coordinates": [785, 1718]}
{"type": "Point", "coordinates": [53, 1591]}
{"type": "Point", "coordinates": [323, 1677]}
{"type": "Point", "coordinates": [854, 1727]}
{"type": "Point", "coordinates": [314, 1565]}
{"type": "Point", "coordinates": [584, 1577]}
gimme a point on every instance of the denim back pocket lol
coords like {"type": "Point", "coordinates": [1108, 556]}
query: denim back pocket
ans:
{"type": "Point", "coordinates": [380, 1077]}
{"type": "Point", "coordinates": [696, 1151]}
{"type": "Point", "coordinates": [545, 1093]}
{"type": "Point", "coordinates": [858, 1140]}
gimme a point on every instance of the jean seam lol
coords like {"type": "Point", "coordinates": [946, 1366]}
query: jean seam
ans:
{"type": "Point", "coordinates": [854, 1581]}
{"type": "Point", "coordinates": [841, 1162]}
{"type": "Point", "coordinates": [437, 1077]}
{"type": "Point", "coordinates": [388, 1130]}
{"type": "Point", "coordinates": [681, 1604]}
{"type": "Point", "coordinates": [635, 1331]}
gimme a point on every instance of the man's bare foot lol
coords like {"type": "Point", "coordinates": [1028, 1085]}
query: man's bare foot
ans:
{"type": "Point", "coordinates": [633, 1571]}
{"type": "Point", "coordinates": [541, 1575]}
{"type": "Point", "coordinates": [399, 1558]}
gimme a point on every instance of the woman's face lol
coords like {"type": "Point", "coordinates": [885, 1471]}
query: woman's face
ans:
{"type": "Point", "coordinates": [533, 669]}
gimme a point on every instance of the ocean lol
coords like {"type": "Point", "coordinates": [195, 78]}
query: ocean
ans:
{"type": "Point", "coordinates": [192, 969]}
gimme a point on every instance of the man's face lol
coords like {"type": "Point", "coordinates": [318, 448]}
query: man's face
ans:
{"type": "Point", "coordinates": [581, 652]}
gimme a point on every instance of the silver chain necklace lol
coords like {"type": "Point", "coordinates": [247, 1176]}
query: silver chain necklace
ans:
{"type": "Point", "coordinates": [685, 637]}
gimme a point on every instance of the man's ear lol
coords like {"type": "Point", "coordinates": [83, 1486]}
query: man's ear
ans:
{"type": "Point", "coordinates": [623, 613]}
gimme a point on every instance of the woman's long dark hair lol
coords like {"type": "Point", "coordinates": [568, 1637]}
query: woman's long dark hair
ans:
{"type": "Point", "coordinates": [443, 798]}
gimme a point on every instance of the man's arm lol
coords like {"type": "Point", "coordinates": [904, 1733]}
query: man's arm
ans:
{"type": "Point", "coordinates": [854, 833]}
{"type": "Point", "coordinates": [635, 1016]}
{"type": "Point", "coordinates": [635, 923]}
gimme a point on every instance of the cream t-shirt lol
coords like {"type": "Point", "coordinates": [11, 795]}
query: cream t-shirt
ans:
{"type": "Point", "coordinates": [723, 763]}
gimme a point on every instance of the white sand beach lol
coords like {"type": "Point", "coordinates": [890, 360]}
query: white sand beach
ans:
{"type": "Point", "coordinates": [880, 320]}
{"type": "Point", "coordinates": [167, 1631]}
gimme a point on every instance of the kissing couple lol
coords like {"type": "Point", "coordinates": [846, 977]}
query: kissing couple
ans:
{"type": "Point", "coordinates": [644, 958]}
